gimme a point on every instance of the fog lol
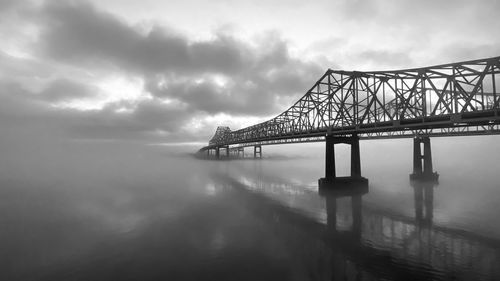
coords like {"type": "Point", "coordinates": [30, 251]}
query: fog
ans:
{"type": "Point", "coordinates": [101, 210]}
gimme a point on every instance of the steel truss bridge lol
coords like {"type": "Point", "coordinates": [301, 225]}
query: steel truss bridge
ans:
{"type": "Point", "coordinates": [452, 99]}
{"type": "Point", "coordinates": [456, 99]}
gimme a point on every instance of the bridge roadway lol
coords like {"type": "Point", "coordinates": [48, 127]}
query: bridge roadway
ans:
{"type": "Point", "coordinates": [457, 99]}
{"type": "Point", "coordinates": [377, 244]}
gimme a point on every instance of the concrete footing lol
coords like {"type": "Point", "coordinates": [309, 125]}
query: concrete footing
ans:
{"type": "Point", "coordinates": [433, 177]}
{"type": "Point", "coordinates": [341, 184]}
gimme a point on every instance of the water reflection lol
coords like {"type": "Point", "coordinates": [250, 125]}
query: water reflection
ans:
{"type": "Point", "coordinates": [231, 221]}
{"type": "Point", "coordinates": [424, 201]}
{"type": "Point", "coordinates": [354, 194]}
{"type": "Point", "coordinates": [360, 241]}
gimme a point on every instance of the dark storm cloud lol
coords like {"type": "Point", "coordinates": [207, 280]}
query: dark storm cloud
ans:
{"type": "Point", "coordinates": [77, 32]}
{"type": "Point", "coordinates": [271, 75]}
{"type": "Point", "coordinates": [255, 93]}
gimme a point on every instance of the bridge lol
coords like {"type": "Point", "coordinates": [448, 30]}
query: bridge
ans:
{"type": "Point", "coordinates": [456, 99]}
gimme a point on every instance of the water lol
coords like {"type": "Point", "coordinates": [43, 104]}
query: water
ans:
{"type": "Point", "coordinates": [94, 211]}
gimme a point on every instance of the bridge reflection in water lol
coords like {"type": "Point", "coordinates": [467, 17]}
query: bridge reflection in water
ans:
{"type": "Point", "coordinates": [334, 236]}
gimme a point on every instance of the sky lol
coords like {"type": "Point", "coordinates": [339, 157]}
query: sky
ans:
{"type": "Point", "coordinates": [170, 72]}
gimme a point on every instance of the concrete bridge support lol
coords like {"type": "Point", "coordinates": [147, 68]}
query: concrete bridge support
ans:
{"type": "Point", "coordinates": [422, 163]}
{"type": "Point", "coordinates": [257, 151]}
{"type": "Point", "coordinates": [242, 151]}
{"type": "Point", "coordinates": [331, 179]}
{"type": "Point", "coordinates": [218, 152]}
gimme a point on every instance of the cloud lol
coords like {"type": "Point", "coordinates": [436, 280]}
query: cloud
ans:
{"type": "Point", "coordinates": [77, 32]}
{"type": "Point", "coordinates": [260, 74]}
{"type": "Point", "coordinates": [412, 33]}
{"type": "Point", "coordinates": [267, 84]}
{"type": "Point", "coordinates": [70, 49]}
{"type": "Point", "coordinates": [385, 58]}
{"type": "Point", "coordinates": [63, 89]}
{"type": "Point", "coordinates": [25, 113]}
{"type": "Point", "coordinates": [8, 5]}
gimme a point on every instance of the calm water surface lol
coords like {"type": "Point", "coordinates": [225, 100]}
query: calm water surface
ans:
{"type": "Point", "coordinates": [106, 212]}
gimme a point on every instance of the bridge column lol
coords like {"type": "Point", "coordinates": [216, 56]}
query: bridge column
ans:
{"type": "Point", "coordinates": [331, 179]}
{"type": "Point", "coordinates": [217, 152]}
{"type": "Point", "coordinates": [330, 157]}
{"type": "Point", "coordinates": [355, 157]}
{"type": "Point", "coordinates": [227, 151]}
{"type": "Point", "coordinates": [417, 156]}
{"type": "Point", "coordinates": [257, 150]}
{"type": "Point", "coordinates": [422, 171]}
{"type": "Point", "coordinates": [242, 149]}
{"type": "Point", "coordinates": [427, 156]}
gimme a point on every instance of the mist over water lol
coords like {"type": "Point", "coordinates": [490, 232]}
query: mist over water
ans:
{"type": "Point", "coordinates": [124, 211]}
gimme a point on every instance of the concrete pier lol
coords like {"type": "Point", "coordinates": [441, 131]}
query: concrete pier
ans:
{"type": "Point", "coordinates": [331, 179]}
{"type": "Point", "coordinates": [242, 151]}
{"type": "Point", "coordinates": [422, 162]}
{"type": "Point", "coordinates": [257, 151]}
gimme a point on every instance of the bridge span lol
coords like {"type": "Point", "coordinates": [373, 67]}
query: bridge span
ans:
{"type": "Point", "coordinates": [456, 99]}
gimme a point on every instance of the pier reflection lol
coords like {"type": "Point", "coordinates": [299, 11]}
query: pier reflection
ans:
{"type": "Point", "coordinates": [354, 194]}
{"type": "Point", "coordinates": [424, 201]}
{"type": "Point", "coordinates": [337, 236]}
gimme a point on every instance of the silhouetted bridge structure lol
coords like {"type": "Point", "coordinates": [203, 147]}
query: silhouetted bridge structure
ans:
{"type": "Point", "coordinates": [457, 99]}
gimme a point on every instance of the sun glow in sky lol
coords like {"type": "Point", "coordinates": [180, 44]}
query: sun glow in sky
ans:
{"type": "Point", "coordinates": [172, 71]}
{"type": "Point", "coordinates": [122, 89]}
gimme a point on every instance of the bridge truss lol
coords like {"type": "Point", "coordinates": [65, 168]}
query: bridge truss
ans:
{"type": "Point", "coordinates": [445, 100]}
